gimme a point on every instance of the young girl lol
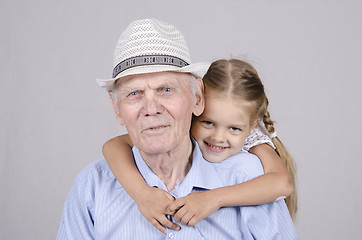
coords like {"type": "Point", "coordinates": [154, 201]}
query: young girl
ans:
{"type": "Point", "coordinates": [235, 102]}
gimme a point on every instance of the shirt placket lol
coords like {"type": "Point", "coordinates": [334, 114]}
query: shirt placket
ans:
{"type": "Point", "coordinates": [171, 234]}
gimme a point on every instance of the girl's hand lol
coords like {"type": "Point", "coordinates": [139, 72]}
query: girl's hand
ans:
{"type": "Point", "coordinates": [194, 207]}
{"type": "Point", "coordinates": [153, 204]}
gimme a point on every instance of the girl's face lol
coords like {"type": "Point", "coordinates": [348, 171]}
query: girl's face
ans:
{"type": "Point", "coordinates": [222, 128]}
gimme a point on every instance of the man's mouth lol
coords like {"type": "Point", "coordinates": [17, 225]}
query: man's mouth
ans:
{"type": "Point", "coordinates": [155, 128]}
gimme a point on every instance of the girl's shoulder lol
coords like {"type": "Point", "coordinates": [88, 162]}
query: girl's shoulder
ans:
{"type": "Point", "coordinates": [257, 136]}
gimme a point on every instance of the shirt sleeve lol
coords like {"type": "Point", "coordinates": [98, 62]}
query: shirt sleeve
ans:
{"type": "Point", "coordinates": [265, 221]}
{"type": "Point", "coordinates": [270, 221]}
{"type": "Point", "coordinates": [257, 136]}
{"type": "Point", "coordinates": [77, 222]}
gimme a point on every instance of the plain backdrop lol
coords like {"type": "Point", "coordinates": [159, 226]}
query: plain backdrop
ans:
{"type": "Point", "coordinates": [54, 117]}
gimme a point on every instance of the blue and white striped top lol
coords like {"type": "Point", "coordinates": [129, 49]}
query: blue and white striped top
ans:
{"type": "Point", "coordinates": [98, 207]}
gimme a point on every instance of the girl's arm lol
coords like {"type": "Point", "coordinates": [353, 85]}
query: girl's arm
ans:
{"type": "Point", "coordinates": [152, 202]}
{"type": "Point", "coordinates": [265, 188]}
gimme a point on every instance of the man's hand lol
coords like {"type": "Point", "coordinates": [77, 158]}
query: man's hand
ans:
{"type": "Point", "coordinates": [154, 204]}
{"type": "Point", "coordinates": [194, 207]}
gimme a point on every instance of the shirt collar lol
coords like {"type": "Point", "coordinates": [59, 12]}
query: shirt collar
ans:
{"type": "Point", "coordinates": [148, 175]}
{"type": "Point", "coordinates": [201, 175]}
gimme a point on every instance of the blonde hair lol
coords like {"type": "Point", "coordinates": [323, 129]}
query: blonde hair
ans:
{"type": "Point", "coordinates": [239, 79]}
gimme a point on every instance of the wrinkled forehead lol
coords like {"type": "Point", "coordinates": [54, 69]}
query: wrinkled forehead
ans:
{"type": "Point", "coordinates": [154, 80]}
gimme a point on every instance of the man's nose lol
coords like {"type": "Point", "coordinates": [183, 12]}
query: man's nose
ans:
{"type": "Point", "coordinates": [152, 105]}
{"type": "Point", "coordinates": [218, 135]}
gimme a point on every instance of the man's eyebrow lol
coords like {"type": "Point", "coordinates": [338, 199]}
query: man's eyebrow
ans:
{"type": "Point", "coordinates": [125, 91]}
{"type": "Point", "coordinates": [163, 85]}
{"type": "Point", "coordinates": [169, 83]}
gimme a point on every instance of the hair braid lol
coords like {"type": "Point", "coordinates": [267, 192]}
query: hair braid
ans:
{"type": "Point", "coordinates": [269, 124]}
{"type": "Point", "coordinates": [291, 201]}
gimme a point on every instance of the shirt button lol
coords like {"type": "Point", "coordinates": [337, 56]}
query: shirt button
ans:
{"type": "Point", "coordinates": [171, 235]}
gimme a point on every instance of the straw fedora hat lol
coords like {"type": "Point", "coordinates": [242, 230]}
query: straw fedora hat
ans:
{"type": "Point", "coordinates": [149, 46]}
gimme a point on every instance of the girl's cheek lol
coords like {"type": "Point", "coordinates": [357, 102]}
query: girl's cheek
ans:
{"type": "Point", "coordinates": [197, 132]}
{"type": "Point", "coordinates": [194, 128]}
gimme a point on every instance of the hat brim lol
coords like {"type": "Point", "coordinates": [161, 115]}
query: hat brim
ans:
{"type": "Point", "coordinates": [197, 69]}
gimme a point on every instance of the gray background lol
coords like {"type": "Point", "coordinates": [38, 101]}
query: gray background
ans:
{"type": "Point", "coordinates": [54, 118]}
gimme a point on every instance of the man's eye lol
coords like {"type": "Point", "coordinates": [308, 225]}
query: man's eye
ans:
{"type": "Point", "coordinates": [165, 90]}
{"type": "Point", "coordinates": [134, 94]}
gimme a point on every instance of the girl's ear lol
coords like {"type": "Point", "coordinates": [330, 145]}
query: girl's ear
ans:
{"type": "Point", "coordinates": [115, 108]}
{"type": "Point", "coordinates": [199, 97]}
{"type": "Point", "coordinates": [255, 123]}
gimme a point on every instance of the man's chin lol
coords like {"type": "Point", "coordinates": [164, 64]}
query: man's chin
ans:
{"type": "Point", "coordinates": [152, 152]}
{"type": "Point", "coordinates": [154, 146]}
{"type": "Point", "coordinates": [161, 144]}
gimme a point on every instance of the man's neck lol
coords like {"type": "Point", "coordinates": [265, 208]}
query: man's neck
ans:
{"type": "Point", "coordinates": [171, 167]}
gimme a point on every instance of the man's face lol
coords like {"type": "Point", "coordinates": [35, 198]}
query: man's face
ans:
{"type": "Point", "coordinates": [157, 109]}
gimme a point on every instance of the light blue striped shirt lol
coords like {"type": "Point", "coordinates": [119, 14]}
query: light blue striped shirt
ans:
{"type": "Point", "coordinates": [98, 207]}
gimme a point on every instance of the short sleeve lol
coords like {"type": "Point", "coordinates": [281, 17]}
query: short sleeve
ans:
{"type": "Point", "coordinates": [257, 136]}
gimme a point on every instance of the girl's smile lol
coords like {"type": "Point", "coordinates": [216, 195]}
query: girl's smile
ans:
{"type": "Point", "coordinates": [214, 148]}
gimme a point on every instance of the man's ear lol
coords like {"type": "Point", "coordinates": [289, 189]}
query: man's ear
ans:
{"type": "Point", "coordinates": [199, 97]}
{"type": "Point", "coordinates": [115, 108]}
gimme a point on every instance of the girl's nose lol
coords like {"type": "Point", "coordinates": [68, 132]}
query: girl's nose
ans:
{"type": "Point", "coordinates": [218, 135]}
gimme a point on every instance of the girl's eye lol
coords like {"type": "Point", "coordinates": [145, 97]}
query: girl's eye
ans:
{"type": "Point", "coordinates": [235, 129]}
{"type": "Point", "coordinates": [207, 123]}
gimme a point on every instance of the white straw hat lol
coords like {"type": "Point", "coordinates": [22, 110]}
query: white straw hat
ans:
{"type": "Point", "coordinates": [148, 46]}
